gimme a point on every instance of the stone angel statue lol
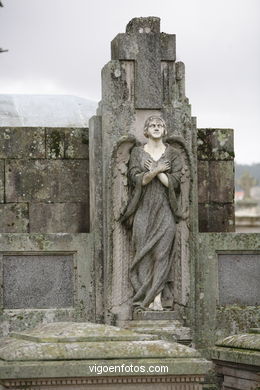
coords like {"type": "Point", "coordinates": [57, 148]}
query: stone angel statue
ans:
{"type": "Point", "coordinates": [151, 193]}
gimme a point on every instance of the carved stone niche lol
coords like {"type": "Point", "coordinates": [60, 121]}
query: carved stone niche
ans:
{"type": "Point", "coordinates": [141, 80]}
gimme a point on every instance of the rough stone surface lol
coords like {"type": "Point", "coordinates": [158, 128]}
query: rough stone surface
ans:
{"type": "Point", "coordinates": [213, 320]}
{"type": "Point", "coordinates": [216, 180]}
{"type": "Point", "coordinates": [164, 329]}
{"type": "Point", "coordinates": [203, 182]}
{"type": "Point", "coordinates": [143, 25]}
{"type": "Point", "coordinates": [215, 144]}
{"type": "Point", "coordinates": [216, 217]}
{"type": "Point", "coordinates": [59, 217]}
{"type": "Point", "coordinates": [249, 341]}
{"type": "Point", "coordinates": [14, 218]}
{"type": "Point", "coordinates": [72, 352]}
{"type": "Point", "coordinates": [70, 341]}
{"type": "Point", "coordinates": [155, 315]}
{"type": "Point", "coordinates": [67, 332]}
{"type": "Point", "coordinates": [36, 245]}
{"type": "Point", "coordinates": [239, 279]}
{"type": "Point", "coordinates": [38, 281]}
{"type": "Point", "coordinates": [22, 142]}
{"type": "Point", "coordinates": [67, 143]}
{"type": "Point", "coordinates": [237, 360]}
{"type": "Point", "coordinates": [221, 181]}
{"type": "Point", "coordinates": [129, 93]}
{"type": "Point", "coordinates": [2, 181]}
{"type": "Point", "coordinates": [96, 209]}
{"type": "Point", "coordinates": [236, 319]}
{"type": "Point", "coordinates": [47, 180]}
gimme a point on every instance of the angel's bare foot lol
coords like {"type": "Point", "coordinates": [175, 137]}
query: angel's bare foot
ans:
{"type": "Point", "coordinates": [156, 304]}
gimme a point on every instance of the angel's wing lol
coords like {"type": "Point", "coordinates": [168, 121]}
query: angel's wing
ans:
{"type": "Point", "coordinates": [122, 254]}
{"type": "Point", "coordinates": [180, 269]}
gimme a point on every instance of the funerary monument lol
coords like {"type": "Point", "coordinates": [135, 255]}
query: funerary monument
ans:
{"type": "Point", "coordinates": [118, 251]}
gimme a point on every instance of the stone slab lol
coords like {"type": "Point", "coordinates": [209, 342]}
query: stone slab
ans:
{"type": "Point", "coordinates": [168, 47]}
{"type": "Point", "coordinates": [74, 354]}
{"type": "Point", "coordinates": [59, 217]}
{"type": "Point", "coordinates": [2, 181]}
{"type": "Point", "coordinates": [73, 341]}
{"type": "Point", "coordinates": [22, 142]}
{"type": "Point", "coordinates": [81, 246]}
{"type": "Point", "coordinates": [215, 321]}
{"type": "Point", "coordinates": [148, 79]}
{"type": "Point", "coordinates": [21, 350]}
{"type": "Point", "coordinates": [38, 281]}
{"type": "Point", "coordinates": [215, 144]}
{"type": "Point", "coordinates": [80, 370]}
{"type": "Point", "coordinates": [248, 341]}
{"type": "Point", "coordinates": [239, 279]}
{"type": "Point", "coordinates": [155, 315]}
{"type": "Point", "coordinates": [16, 320]}
{"type": "Point", "coordinates": [203, 181]}
{"type": "Point", "coordinates": [72, 332]}
{"type": "Point", "coordinates": [14, 218]}
{"type": "Point", "coordinates": [46, 180]}
{"type": "Point", "coordinates": [165, 329]}
{"type": "Point", "coordinates": [67, 143]}
{"type": "Point", "coordinates": [145, 49]}
{"type": "Point", "coordinates": [221, 181]}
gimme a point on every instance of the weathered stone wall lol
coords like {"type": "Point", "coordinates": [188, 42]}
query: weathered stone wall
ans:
{"type": "Point", "coordinates": [218, 313]}
{"type": "Point", "coordinates": [216, 180]}
{"type": "Point", "coordinates": [45, 278]}
{"type": "Point", "coordinates": [44, 184]}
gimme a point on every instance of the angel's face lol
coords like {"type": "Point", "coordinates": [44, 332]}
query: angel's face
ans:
{"type": "Point", "coordinates": [155, 129]}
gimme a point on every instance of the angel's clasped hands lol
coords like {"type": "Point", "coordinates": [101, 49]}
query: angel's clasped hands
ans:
{"type": "Point", "coordinates": [157, 166]}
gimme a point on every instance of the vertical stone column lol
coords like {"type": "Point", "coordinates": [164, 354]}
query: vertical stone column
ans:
{"type": "Point", "coordinates": [216, 180]}
{"type": "Point", "coordinates": [141, 79]}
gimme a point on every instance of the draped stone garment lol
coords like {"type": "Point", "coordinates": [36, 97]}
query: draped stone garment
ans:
{"type": "Point", "coordinates": [154, 210]}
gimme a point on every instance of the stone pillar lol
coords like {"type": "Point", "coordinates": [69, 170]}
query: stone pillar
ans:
{"type": "Point", "coordinates": [216, 180]}
{"type": "Point", "coordinates": [141, 79]}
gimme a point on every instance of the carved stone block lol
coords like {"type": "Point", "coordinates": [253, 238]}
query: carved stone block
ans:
{"type": "Point", "coordinates": [216, 217]}
{"type": "Point", "coordinates": [22, 142]}
{"type": "Point", "coordinates": [203, 181]}
{"type": "Point", "coordinates": [59, 217]}
{"type": "Point", "coordinates": [2, 180]}
{"type": "Point", "coordinates": [47, 180]}
{"type": "Point", "coordinates": [239, 279]}
{"type": "Point", "coordinates": [67, 143]}
{"type": "Point", "coordinates": [37, 281]}
{"type": "Point", "coordinates": [14, 218]}
{"type": "Point", "coordinates": [215, 144]}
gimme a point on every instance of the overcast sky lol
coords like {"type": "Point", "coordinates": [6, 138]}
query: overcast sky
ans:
{"type": "Point", "coordinates": [60, 46]}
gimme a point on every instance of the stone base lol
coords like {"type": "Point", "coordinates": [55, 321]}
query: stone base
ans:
{"type": "Point", "coordinates": [94, 356]}
{"type": "Point", "coordinates": [237, 361]}
{"type": "Point", "coordinates": [155, 315]}
{"type": "Point", "coordinates": [165, 329]}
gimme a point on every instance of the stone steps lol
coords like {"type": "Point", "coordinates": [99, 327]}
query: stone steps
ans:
{"type": "Point", "coordinates": [166, 329]}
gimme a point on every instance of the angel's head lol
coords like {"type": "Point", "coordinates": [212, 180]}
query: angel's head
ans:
{"type": "Point", "coordinates": [155, 122]}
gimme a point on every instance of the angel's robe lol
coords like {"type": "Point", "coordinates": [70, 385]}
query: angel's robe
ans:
{"type": "Point", "coordinates": [154, 210]}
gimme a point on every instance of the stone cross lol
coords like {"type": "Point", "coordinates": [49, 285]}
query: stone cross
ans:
{"type": "Point", "coordinates": [144, 44]}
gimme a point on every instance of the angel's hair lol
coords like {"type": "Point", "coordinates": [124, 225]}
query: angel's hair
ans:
{"type": "Point", "coordinates": [149, 120]}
